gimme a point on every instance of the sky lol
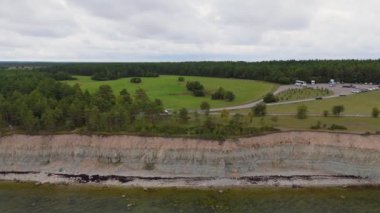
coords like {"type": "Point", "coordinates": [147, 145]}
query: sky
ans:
{"type": "Point", "coordinates": [188, 30]}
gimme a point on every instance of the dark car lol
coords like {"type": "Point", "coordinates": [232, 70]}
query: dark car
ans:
{"type": "Point", "coordinates": [348, 86]}
{"type": "Point", "coordinates": [318, 98]}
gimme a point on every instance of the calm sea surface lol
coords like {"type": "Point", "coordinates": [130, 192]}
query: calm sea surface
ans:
{"type": "Point", "coordinates": [21, 197]}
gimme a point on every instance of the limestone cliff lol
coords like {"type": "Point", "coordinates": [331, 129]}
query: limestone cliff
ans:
{"type": "Point", "coordinates": [287, 153]}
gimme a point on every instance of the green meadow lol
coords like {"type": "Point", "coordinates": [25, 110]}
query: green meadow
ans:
{"type": "Point", "coordinates": [174, 94]}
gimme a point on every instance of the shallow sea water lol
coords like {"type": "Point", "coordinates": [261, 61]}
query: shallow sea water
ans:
{"type": "Point", "coordinates": [27, 197]}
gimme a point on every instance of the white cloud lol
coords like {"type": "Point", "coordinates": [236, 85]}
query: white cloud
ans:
{"type": "Point", "coordinates": [153, 30]}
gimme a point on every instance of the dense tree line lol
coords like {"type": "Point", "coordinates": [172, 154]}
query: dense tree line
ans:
{"type": "Point", "coordinates": [273, 71]}
{"type": "Point", "coordinates": [34, 101]}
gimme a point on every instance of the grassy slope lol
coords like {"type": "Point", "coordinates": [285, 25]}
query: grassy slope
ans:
{"type": "Point", "coordinates": [174, 94]}
{"type": "Point", "coordinates": [354, 104]}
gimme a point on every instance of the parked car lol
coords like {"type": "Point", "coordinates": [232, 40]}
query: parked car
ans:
{"type": "Point", "coordinates": [348, 86]}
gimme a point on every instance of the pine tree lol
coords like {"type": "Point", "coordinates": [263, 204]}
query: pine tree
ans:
{"type": "Point", "coordinates": [104, 98]}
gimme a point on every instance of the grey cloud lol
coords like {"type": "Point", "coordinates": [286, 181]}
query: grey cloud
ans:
{"type": "Point", "coordinates": [117, 9]}
{"type": "Point", "coordinates": [161, 19]}
{"type": "Point", "coordinates": [131, 30]}
{"type": "Point", "coordinates": [36, 18]}
{"type": "Point", "coordinates": [269, 14]}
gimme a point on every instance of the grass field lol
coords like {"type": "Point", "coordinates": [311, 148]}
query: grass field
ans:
{"type": "Point", "coordinates": [174, 94]}
{"type": "Point", "coordinates": [354, 104]}
{"type": "Point", "coordinates": [353, 124]}
{"type": "Point", "coordinates": [358, 104]}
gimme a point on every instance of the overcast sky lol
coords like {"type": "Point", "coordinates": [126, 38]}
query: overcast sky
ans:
{"type": "Point", "coordinates": [185, 30]}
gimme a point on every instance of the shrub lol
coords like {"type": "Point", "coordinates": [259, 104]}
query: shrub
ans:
{"type": "Point", "coordinates": [229, 96]}
{"type": "Point", "coordinates": [302, 112]}
{"type": "Point", "coordinates": [205, 106]}
{"type": "Point", "coordinates": [375, 112]}
{"type": "Point", "coordinates": [337, 127]}
{"type": "Point", "coordinates": [317, 126]}
{"type": "Point", "coordinates": [326, 113]}
{"type": "Point", "coordinates": [198, 93]}
{"type": "Point", "coordinates": [225, 114]}
{"type": "Point", "coordinates": [337, 110]}
{"type": "Point", "coordinates": [270, 98]}
{"type": "Point", "coordinates": [181, 79]}
{"type": "Point", "coordinates": [136, 80]}
{"type": "Point", "coordinates": [259, 110]}
{"type": "Point", "coordinates": [218, 94]}
{"type": "Point", "coordinates": [183, 115]}
{"type": "Point", "coordinates": [221, 94]}
{"type": "Point", "coordinates": [158, 102]}
{"type": "Point", "coordinates": [194, 85]}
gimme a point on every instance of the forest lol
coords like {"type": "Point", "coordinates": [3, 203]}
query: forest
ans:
{"type": "Point", "coordinates": [285, 72]}
{"type": "Point", "coordinates": [34, 102]}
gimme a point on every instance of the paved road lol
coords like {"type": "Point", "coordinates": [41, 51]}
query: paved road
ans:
{"type": "Point", "coordinates": [337, 91]}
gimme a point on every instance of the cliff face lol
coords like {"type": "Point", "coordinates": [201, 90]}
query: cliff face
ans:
{"type": "Point", "coordinates": [290, 153]}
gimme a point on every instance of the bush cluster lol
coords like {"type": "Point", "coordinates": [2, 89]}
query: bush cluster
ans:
{"type": "Point", "coordinates": [222, 94]}
{"type": "Point", "coordinates": [196, 87]}
{"type": "Point", "coordinates": [136, 80]}
{"type": "Point", "coordinates": [270, 98]}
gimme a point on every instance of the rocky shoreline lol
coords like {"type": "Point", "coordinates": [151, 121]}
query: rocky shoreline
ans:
{"type": "Point", "coordinates": [294, 181]}
{"type": "Point", "coordinates": [289, 159]}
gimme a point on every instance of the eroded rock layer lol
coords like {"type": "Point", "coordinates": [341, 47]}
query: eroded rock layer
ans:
{"type": "Point", "coordinates": [288, 153]}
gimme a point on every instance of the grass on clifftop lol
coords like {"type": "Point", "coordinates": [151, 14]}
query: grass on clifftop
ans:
{"type": "Point", "coordinates": [354, 104]}
{"type": "Point", "coordinates": [353, 124]}
{"type": "Point", "coordinates": [174, 94]}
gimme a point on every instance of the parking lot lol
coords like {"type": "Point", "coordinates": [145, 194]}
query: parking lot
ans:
{"type": "Point", "coordinates": [337, 89]}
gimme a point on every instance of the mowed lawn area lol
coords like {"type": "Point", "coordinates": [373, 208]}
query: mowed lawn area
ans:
{"type": "Point", "coordinates": [358, 104]}
{"type": "Point", "coordinates": [174, 94]}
